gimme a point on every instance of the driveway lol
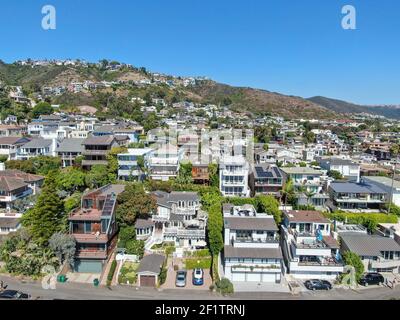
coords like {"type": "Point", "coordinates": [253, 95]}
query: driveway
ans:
{"type": "Point", "coordinates": [171, 275]}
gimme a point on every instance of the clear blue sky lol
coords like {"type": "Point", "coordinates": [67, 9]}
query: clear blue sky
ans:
{"type": "Point", "coordinates": [289, 46]}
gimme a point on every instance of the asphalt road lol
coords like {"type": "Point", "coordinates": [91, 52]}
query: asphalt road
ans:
{"type": "Point", "coordinates": [73, 291]}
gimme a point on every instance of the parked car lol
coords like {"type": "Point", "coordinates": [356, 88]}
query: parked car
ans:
{"type": "Point", "coordinates": [198, 277]}
{"type": "Point", "coordinates": [318, 285]}
{"type": "Point", "coordinates": [180, 279]}
{"type": "Point", "coordinates": [372, 278]}
{"type": "Point", "coordinates": [14, 294]}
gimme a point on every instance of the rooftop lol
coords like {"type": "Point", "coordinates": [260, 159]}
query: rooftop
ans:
{"type": "Point", "coordinates": [252, 253]}
{"type": "Point", "coordinates": [250, 223]}
{"type": "Point", "coordinates": [305, 216]}
{"type": "Point", "coordinates": [368, 245]}
{"type": "Point", "coordinates": [352, 187]}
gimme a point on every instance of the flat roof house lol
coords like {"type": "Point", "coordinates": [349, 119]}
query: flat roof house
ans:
{"type": "Point", "coordinates": [266, 179]}
{"type": "Point", "coordinates": [385, 184]}
{"type": "Point", "coordinates": [251, 246]}
{"type": "Point", "coordinates": [309, 248]}
{"type": "Point", "coordinates": [350, 196]}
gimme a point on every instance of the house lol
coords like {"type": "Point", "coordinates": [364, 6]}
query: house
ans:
{"type": "Point", "coordinates": [37, 147]}
{"type": "Point", "coordinates": [34, 181]}
{"type": "Point", "coordinates": [149, 270]}
{"type": "Point", "coordinates": [164, 162]}
{"type": "Point", "coordinates": [95, 150]}
{"type": "Point", "coordinates": [266, 179]}
{"type": "Point", "coordinates": [391, 187]}
{"type": "Point", "coordinates": [9, 146]}
{"type": "Point", "coordinates": [179, 219]}
{"type": "Point", "coordinates": [144, 229]}
{"type": "Point", "coordinates": [308, 184]}
{"type": "Point", "coordinates": [12, 130]}
{"type": "Point", "coordinates": [68, 150]}
{"type": "Point", "coordinates": [233, 176]}
{"type": "Point", "coordinates": [128, 167]}
{"type": "Point", "coordinates": [9, 225]}
{"type": "Point", "coordinates": [200, 173]}
{"type": "Point", "coordinates": [377, 253]}
{"type": "Point", "coordinates": [251, 247]}
{"type": "Point", "coordinates": [309, 248]}
{"type": "Point", "coordinates": [351, 196]}
{"type": "Point", "coordinates": [347, 168]}
{"type": "Point", "coordinates": [94, 228]}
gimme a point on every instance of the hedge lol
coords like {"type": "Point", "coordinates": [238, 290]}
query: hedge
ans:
{"type": "Point", "coordinates": [110, 275]}
{"type": "Point", "coordinates": [369, 220]}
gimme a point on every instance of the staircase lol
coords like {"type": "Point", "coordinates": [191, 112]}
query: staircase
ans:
{"type": "Point", "coordinates": [109, 204]}
{"type": "Point", "coordinates": [155, 239]}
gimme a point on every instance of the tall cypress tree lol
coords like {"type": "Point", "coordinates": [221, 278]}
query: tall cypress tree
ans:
{"type": "Point", "coordinates": [46, 217]}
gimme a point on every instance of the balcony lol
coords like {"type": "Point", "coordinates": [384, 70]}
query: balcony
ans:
{"type": "Point", "coordinates": [185, 233]}
{"type": "Point", "coordinates": [385, 264]}
{"type": "Point", "coordinates": [157, 218]}
{"type": "Point", "coordinates": [91, 254]}
{"type": "Point", "coordinates": [90, 238]}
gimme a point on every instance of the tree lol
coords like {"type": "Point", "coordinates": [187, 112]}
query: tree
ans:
{"type": "Point", "coordinates": [42, 108]}
{"type": "Point", "coordinates": [215, 229]}
{"type": "Point", "coordinates": [288, 192]}
{"type": "Point", "coordinates": [113, 161]}
{"type": "Point", "coordinates": [214, 177]}
{"type": "Point", "coordinates": [135, 247]}
{"type": "Point", "coordinates": [64, 247]}
{"type": "Point", "coordinates": [185, 174]}
{"type": "Point", "coordinates": [352, 259]}
{"type": "Point", "coordinates": [270, 205]}
{"type": "Point", "coordinates": [335, 175]}
{"type": "Point", "coordinates": [45, 218]}
{"type": "Point", "coordinates": [97, 176]}
{"type": "Point", "coordinates": [71, 179]}
{"type": "Point", "coordinates": [126, 234]}
{"type": "Point", "coordinates": [134, 203]}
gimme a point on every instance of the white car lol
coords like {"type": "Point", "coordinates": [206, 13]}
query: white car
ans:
{"type": "Point", "coordinates": [198, 277]}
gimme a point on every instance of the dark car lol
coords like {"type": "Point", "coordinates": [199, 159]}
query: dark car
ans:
{"type": "Point", "coordinates": [372, 278]}
{"type": "Point", "coordinates": [14, 294]}
{"type": "Point", "coordinates": [318, 285]}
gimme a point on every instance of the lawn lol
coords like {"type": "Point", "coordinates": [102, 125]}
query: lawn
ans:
{"type": "Point", "coordinates": [128, 273]}
{"type": "Point", "coordinates": [202, 263]}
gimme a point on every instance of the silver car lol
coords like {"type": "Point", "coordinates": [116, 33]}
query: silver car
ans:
{"type": "Point", "coordinates": [180, 281]}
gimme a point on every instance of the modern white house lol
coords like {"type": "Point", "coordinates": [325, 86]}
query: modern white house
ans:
{"type": "Point", "coordinates": [251, 246]}
{"type": "Point", "coordinates": [309, 248]}
{"type": "Point", "coordinates": [164, 162]}
{"type": "Point", "coordinates": [234, 176]}
{"type": "Point", "coordinates": [128, 163]}
{"type": "Point", "coordinates": [386, 184]}
{"type": "Point", "coordinates": [347, 168]}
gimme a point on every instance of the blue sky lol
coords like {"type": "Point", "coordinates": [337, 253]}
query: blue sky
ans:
{"type": "Point", "coordinates": [289, 46]}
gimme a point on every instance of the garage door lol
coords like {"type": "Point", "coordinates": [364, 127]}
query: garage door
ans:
{"type": "Point", "coordinates": [254, 277]}
{"type": "Point", "coordinates": [87, 266]}
{"type": "Point", "coordinates": [238, 277]}
{"type": "Point", "coordinates": [147, 281]}
{"type": "Point", "coordinates": [269, 277]}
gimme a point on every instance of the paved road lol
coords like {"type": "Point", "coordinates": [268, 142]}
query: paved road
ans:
{"type": "Point", "coordinates": [72, 291]}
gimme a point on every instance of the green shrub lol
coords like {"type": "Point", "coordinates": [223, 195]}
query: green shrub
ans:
{"type": "Point", "coordinates": [163, 274]}
{"type": "Point", "coordinates": [214, 271]}
{"type": "Point", "coordinates": [224, 286]}
{"type": "Point", "coordinates": [368, 220]}
{"type": "Point", "coordinates": [110, 275]}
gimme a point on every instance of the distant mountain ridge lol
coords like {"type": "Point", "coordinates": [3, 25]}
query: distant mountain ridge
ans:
{"type": "Point", "coordinates": [344, 107]}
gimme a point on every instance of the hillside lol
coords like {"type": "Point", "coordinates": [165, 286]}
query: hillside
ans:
{"type": "Point", "coordinates": [261, 101]}
{"type": "Point", "coordinates": [340, 106]}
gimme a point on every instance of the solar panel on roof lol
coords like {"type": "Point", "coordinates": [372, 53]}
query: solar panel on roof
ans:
{"type": "Point", "coordinates": [263, 174]}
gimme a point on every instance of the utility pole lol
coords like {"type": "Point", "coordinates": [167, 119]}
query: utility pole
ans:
{"type": "Point", "coordinates": [391, 190]}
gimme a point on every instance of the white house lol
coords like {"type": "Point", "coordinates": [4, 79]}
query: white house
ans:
{"type": "Point", "coordinates": [310, 250]}
{"type": "Point", "coordinates": [128, 163]}
{"type": "Point", "coordinates": [234, 176]}
{"type": "Point", "coordinates": [164, 162]}
{"type": "Point", "coordinates": [251, 246]}
{"type": "Point", "coordinates": [385, 184]}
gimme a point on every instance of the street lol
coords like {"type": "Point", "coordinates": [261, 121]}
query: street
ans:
{"type": "Point", "coordinates": [72, 291]}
